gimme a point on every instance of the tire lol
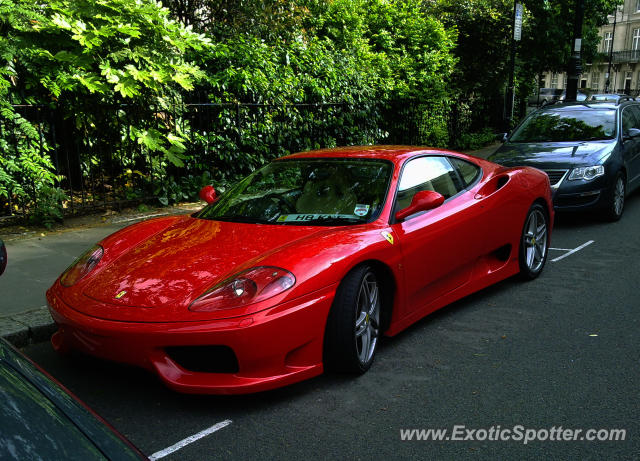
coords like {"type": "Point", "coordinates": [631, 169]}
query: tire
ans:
{"type": "Point", "coordinates": [534, 242]}
{"type": "Point", "coordinates": [353, 327]}
{"type": "Point", "coordinates": [615, 202]}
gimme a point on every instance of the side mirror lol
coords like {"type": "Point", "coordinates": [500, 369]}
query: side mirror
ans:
{"type": "Point", "coordinates": [502, 137]}
{"type": "Point", "coordinates": [3, 257]}
{"type": "Point", "coordinates": [208, 194]}
{"type": "Point", "coordinates": [632, 133]}
{"type": "Point", "coordinates": [422, 201]}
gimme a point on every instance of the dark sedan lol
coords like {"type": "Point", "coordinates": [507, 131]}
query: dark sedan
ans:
{"type": "Point", "coordinates": [590, 151]}
{"type": "Point", "coordinates": [3, 257]}
{"type": "Point", "coordinates": [40, 420]}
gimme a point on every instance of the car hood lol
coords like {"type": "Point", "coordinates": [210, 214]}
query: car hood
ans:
{"type": "Point", "coordinates": [541, 155]}
{"type": "Point", "coordinates": [177, 265]}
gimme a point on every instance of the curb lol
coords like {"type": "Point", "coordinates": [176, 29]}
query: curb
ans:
{"type": "Point", "coordinates": [33, 326]}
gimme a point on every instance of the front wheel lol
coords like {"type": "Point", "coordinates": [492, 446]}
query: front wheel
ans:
{"type": "Point", "coordinates": [615, 203]}
{"type": "Point", "coordinates": [534, 242]}
{"type": "Point", "coordinates": [353, 326]}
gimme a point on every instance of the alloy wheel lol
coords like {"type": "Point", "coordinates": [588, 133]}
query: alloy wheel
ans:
{"type": "Point", "coordinates": [535, 240]}
{"type": "Point", "coordinates": [367, 318]}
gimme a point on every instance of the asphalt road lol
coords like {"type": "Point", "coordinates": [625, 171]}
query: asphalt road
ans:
{"type": "Point", "coordinates": [563, 350]}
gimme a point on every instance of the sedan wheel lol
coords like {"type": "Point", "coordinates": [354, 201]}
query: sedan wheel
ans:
{"type": "Point", "coordinates": [534, 242]}
{"type": "Point", "coordinates": [353, 326]}
{"type": "Point", "coordinates": [615, 207]}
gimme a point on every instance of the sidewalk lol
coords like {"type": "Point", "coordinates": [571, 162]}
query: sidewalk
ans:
{"type": "Point", "coordinates": [37, 258]}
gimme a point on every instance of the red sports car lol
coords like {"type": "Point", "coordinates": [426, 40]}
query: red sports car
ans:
{"type": "Point", "coordinates": [302, 266]}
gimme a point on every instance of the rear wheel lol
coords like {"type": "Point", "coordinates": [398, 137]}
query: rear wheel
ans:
{"type": "Point", "coordinates": [615, 203]}
{"type": "Point", "coordinates": [534, 243]}
{"type": "Point", "coordinates": [353, 326]}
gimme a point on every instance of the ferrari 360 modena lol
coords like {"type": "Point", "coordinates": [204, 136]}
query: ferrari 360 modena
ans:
{"type": "Point", "coordinates": [302, 266]}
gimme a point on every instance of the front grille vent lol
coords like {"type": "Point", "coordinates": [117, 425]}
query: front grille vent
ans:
{"type": "Point", "coordinates": [555, 175]}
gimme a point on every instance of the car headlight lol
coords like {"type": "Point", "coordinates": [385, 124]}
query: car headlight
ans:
{"type": "Point", "coordinates": [247, 287]}
{"type": "Point", "coordinates": [586, 172]}
{"type": "Point", "coordinates": [82, 266]}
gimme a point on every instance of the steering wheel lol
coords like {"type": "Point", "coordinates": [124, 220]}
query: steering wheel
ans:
{"type": "Point", "coordinates": [283, 203]}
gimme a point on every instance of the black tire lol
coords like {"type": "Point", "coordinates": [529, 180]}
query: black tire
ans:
{"type": "Point", "coordinates": [348, 326]}
{"type": "Point", "coordinates": [615, 201]}
{"type": "Point", "coordinates": [534, 245]}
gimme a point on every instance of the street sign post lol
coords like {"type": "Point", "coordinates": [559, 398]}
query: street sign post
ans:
{"type": "Point", "coordinates": [517, 22]}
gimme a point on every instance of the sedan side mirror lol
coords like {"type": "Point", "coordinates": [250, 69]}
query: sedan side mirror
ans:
{"type": "Point", "coordinates": [502, 137]}
{"type": "Point", "coordinates": [632, 133]}
{"type": "Point", "coordinates": [423, 201]}
{"type": "Point", "coordinates": [208, 194]}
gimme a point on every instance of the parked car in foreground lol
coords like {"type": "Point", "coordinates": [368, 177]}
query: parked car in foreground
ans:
{"type": "Point", "coordinates": [39, 419]}
{"type": "Point", "coordinates": [591, 152]}
{"type": "Point", "coordinates": [302, 266]}
{"type": "Point", "coordinates": [3, 257]}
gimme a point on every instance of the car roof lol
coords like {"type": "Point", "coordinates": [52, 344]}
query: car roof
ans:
{"type": "Point", "coordinates": [585, 105]}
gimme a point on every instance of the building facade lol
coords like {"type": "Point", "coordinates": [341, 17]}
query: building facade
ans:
{"type": "Point", "coordinates": [620, 46]}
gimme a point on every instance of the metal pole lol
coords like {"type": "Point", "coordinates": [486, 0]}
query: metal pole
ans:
{"type": "Point", "coordinates": [613, 37]}
{"type": "Point", "coordinates": [574, 69]}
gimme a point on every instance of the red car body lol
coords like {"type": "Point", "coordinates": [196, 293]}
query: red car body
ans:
{"type": "Point", "coordinates": [467, 243]}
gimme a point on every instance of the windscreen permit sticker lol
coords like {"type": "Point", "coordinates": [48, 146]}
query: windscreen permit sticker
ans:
{"type": "Point", "coordinates": [310, 217]}
{"type": "Point", "coordinates": [361, 209]}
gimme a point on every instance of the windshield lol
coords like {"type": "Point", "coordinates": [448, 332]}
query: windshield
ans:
{"type": "Point", "coordinates": [571, 125]}
{"type": "Point", "coordinates": [307, 191]}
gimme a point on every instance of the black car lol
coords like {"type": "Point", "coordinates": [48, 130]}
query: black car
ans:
{"type": "Point", "coordinates": [590, 151]}
{"type": "Point", "coordinates": [40, 420]}
{"type": "Point", "coordinates": [3, 257]}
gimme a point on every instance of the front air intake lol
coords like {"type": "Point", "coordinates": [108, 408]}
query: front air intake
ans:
{"type": "Point", "coordinates": [204, 359]}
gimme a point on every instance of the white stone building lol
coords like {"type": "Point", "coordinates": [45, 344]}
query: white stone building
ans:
{"type": "Point", "coordinates": [621, 47]}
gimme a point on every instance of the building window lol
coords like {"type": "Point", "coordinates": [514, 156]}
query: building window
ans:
{"type": "Point", "coordinates": [564, 80]}
{"type": "Point", "coordinates": [636, 39]}
{"type": "Point", "coordinates": [595, 81]}
{"type": "Point", "coordinates": [607, 40]}
{"type": "Point", "coordinates": [638, 6]}
{"type": "Point", "coordinates": [554, 80]}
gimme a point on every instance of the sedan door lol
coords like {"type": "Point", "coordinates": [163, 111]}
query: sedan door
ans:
{"type": "Point", "coordinates": [439, 246]}
{"type": "Point", "coordinates": [631, 148]}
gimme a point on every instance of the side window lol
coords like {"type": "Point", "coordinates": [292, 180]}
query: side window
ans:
{"type": "Point", "coordinates": [468, 171]}
{"type": "Point", "coordinates": [628, 119]}
{"type": "Point", "coordinates": [635, 109]}
{"type": "Point", "coordinates": [427, 173]}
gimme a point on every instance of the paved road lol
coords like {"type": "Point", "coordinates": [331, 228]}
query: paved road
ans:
{"type": "Point", "coordinates": [563, 350]}
{"type": "Point", "coordinates": [35, 263]}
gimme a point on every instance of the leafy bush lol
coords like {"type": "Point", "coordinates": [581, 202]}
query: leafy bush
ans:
{"type": "Point", "coordinates": [48, 207]}
{"type": "Point", "coordinates": [473, 141]}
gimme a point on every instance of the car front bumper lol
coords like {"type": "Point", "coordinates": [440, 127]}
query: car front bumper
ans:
{"type": "Point", "coordinates": [274, 347]}
{"type": "Point", "coordinates": [582, 195]}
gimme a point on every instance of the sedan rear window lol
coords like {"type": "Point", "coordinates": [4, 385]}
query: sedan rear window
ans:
{"type": "Point", "coordinates": [569, 125]}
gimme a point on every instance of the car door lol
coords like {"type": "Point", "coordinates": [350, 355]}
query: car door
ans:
{"type": "Point", "coordinates": [439, 246]}
{"type": "Point", "coordinates": [632, 146]}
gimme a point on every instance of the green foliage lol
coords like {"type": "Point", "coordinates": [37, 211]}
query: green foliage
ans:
{"type": "Point", "coordinates": [477, 140]}
{"type": "Point", "coordinates": [25, 166]}
{"type": "Point", "coordinates": [77, 54]}
{"type": "Point", "coordinates": [48, 207]}
{"type": "Point", "coordinates": [185, 188]}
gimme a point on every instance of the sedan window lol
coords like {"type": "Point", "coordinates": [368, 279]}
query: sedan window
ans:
{"type": "Point", "coordinates": [567, 125]}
